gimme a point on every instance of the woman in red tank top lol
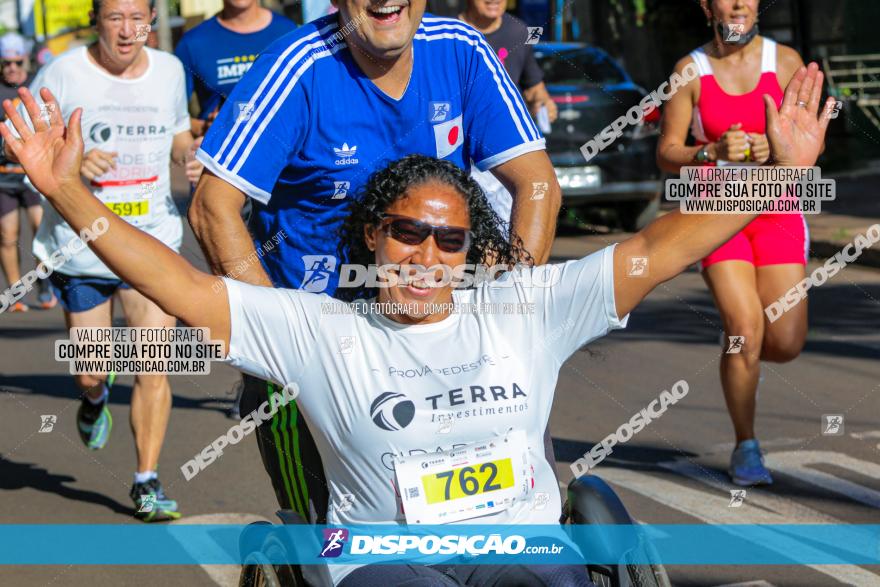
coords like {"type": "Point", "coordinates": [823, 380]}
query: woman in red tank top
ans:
{"type": "Point", "coordinates": [725, 113]}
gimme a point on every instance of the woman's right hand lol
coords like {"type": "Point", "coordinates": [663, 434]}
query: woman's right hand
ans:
{"type": "Point", "coordinates": [50, 154]}
{"type": "Point", "coordinates": [732, 145]}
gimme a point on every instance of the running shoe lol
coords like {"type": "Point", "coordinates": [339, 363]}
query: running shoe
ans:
{"type": "Point", "coordinates": [151, 504]}
{"type": "Point", "coordinates": [47, 300]}
{"type": "Point", "coordinates": [747, 465]}
{"type": "Point", "coordinates": [18, 307]}
{"type": "Point", "coordinates": [94, 423]}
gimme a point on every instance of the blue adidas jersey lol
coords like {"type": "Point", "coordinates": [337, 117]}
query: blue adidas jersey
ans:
{"type": "Point", "coordinates": [304, 129]}
{"type": "Point", "coordinates": [215, 58]}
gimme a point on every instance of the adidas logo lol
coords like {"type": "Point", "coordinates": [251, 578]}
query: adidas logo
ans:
{"type": "Point", "coordinates": [346, 154]}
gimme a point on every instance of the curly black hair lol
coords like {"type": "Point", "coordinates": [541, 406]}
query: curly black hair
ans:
{"type": "Point", "coordinates": [388, 185]}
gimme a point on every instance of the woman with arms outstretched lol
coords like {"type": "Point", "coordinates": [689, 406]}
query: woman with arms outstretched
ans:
{"type": "Point", "coordinates": [370, 417]}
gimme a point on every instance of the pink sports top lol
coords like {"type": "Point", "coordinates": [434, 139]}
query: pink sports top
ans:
{"type": "Point", "coordinates": [716, 110]}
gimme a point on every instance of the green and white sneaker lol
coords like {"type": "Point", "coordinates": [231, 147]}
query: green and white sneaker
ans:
{"type": "Point", "coordinates": [94, 422]}
{"type": "Point", "coordinates": [151, 504]}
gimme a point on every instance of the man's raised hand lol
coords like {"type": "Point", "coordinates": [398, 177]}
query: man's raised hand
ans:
{"type": "Point", "coordinates": [50, 154]}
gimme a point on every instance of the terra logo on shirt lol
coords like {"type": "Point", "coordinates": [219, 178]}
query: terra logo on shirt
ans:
{"type": "Point", "coordinates": [392, 411]}
{"type": "Point", "coordinates": [100, 132]}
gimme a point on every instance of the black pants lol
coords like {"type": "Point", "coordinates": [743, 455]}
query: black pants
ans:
{"type": "Point", "coordinates": [289, 454]}
{"type": "Point", "coordinates": [468, 575]}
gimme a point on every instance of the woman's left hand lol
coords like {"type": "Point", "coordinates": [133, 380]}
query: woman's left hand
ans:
{"type": "Point", "coordinates": [50, 153]}
{"type": "Point", "coordinates": [797, 130]}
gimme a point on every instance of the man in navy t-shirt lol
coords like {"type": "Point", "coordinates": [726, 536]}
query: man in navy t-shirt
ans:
{"type": "Point", "coordinates": [318, 112]}
{"type": "Point", "coordinates": [218, 52]}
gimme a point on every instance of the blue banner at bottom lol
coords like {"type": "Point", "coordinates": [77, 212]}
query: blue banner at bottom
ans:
{"type": "Point", "coordinates": [790, 544]}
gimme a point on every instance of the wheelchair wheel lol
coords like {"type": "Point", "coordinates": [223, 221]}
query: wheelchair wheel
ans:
{"type": "Point", "coordinates": [256, 573]}
{"type": "Point", "coordinates": [592, 501]}
{"type": "Point", "coordinates": [651, 575]}
{"type": "Point", "coordinates": [628, 576]}
{"type": "Point", "coordinates": [601, 575]}
{"type": "Point", "coordinates": [258, 570]}
{"type": "Point", "coordinates": [647, 576]}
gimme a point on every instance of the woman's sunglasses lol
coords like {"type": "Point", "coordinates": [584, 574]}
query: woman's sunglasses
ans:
{"type": "Point", "coordinates": [409, 231]}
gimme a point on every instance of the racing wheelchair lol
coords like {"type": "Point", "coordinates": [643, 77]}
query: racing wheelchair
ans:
{"type": "Point", "coordinates": [589, 501]}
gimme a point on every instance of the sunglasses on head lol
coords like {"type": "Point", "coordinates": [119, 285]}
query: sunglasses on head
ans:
{"type": "Point", "coordinates": [18, 62]}
{"type": "Point", "coordinates": [409, 231]}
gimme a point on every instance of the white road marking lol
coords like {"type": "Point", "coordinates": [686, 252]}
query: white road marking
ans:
{"type": "Point", "coordinates": [871, 434]}
{"type": "Point", "coordinates": [749, 584]}
{"type": "Point", "coordinates": [222, 575]}
{"type": "Point", "coordinates": [712, 509]}
{"type": "Point", "coordinates": [796, 464]}
{"type": "Point", "coordinates": [759, 502]}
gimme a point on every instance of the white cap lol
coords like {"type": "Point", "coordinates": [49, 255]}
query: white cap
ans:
{"type": "Point", "coordinates": [12, 45]}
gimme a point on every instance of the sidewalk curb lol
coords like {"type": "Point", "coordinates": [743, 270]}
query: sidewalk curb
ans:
{"type": "Point", "coordinates": [824, 249]}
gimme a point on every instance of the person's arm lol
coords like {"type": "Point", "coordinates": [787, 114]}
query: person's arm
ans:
{"type": "Point", "coordinates": [538, 96]}
{"type": "Point", "coordinates": [51, 156]}
{"type": "Point", "coordinates": [181, 144]}
{"type": "Point", "coordinates": [215, 217]}
{"type": "Point", "coordinates": [535, 209]}
{"type": "Point", "coordinates": [181, 147]}
{"type": "Point", "coordinates": [672, 152]}
{"type": "Point", "coordinates": [675, 241]}
{"type": "Point", "coordinates": [534, 91]}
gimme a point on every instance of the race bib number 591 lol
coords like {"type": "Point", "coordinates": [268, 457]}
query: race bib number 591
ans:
{"type": "Point", "coordinates": [126, 209]}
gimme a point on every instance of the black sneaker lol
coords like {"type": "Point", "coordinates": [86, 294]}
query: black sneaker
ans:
{"type": "Point", "coordinates": [151, 504]}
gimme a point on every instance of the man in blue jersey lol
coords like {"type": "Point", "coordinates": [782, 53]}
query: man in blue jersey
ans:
{"type": "Point", "coordinates": [317, 113]}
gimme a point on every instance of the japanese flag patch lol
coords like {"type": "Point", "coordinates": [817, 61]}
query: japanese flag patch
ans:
{"type": "Point", "coordinates": [448, 136]}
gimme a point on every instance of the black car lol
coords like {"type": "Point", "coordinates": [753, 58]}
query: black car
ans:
{"type": "Point", "coordinates": [591, 91]}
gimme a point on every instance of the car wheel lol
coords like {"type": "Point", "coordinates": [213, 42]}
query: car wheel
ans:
{"type": "Point", "coordinates": [635, 216]}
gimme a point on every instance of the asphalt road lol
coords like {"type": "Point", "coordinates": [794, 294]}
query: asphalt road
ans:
{"type": "Point", "coordinates": [671, 472]}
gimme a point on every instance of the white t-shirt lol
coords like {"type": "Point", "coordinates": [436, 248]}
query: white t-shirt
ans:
{"type": "Point", "coordinates": [492, 371]}
{"type": "Point", "coordinates": [496, 194]}
{"type": "Point", "coordinates": [137, 118]}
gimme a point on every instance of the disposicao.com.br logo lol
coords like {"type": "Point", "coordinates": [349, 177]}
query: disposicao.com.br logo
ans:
{"type": "Point", "coordinates": [449, 544]}
{"type": "Point", "coordinates": [407, 546]}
